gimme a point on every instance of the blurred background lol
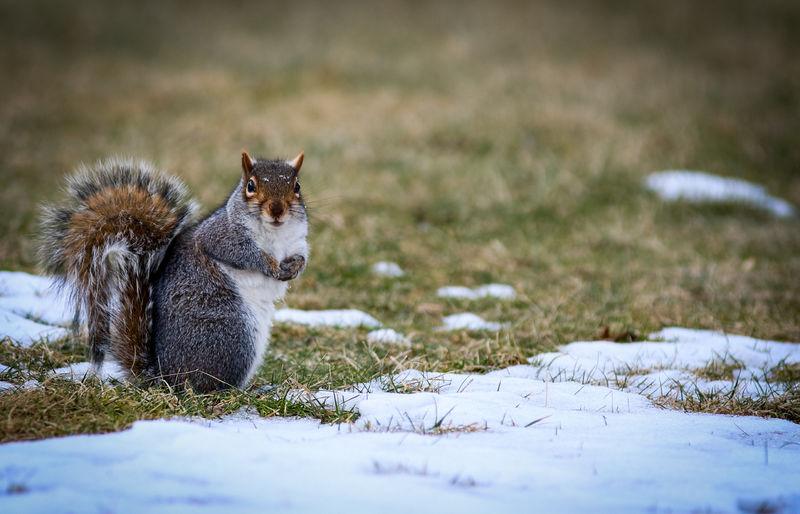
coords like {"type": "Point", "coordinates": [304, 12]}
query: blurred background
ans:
{"type": "Point", "coordinates": [470, 142]}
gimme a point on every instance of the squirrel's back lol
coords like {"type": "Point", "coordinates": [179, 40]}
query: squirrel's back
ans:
{"type": "Point", "coordinates": [106, 241]}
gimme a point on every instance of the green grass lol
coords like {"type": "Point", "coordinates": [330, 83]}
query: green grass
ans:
{"type": "Point", "coordinates": [468, 141]}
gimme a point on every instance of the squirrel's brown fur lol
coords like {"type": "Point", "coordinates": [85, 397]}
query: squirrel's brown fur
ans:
{"type": "Point", "coordinates": [105, 243]}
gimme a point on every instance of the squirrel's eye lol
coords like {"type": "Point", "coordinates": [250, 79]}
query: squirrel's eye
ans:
{"type": "Point", "coordinates": [251, 186]}
{"type": "Point", "coordinates": [297, 187]}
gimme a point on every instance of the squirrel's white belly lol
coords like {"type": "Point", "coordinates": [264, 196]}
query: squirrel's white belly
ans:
{"type": "Point", "coordinates": [258, 294]}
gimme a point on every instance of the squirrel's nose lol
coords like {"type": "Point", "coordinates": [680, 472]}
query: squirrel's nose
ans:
{"type": "Point", "coordinates": [276, 209]}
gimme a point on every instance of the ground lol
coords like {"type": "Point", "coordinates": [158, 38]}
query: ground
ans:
{"type": "Point", "coordinates": [470, 143]}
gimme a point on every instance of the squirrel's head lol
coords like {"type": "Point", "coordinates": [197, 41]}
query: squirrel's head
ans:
{"type": "Point", "coordinates": [271, 188]}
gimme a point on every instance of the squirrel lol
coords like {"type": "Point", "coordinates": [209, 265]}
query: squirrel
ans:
{"type": "Point", "coordinates": [165, 295]}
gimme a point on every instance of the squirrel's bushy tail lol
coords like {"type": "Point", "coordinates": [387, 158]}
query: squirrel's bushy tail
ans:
{"type": "Point", "coordinates": [106, 242]}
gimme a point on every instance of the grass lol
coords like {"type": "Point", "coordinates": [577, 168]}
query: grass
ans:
{"type": "Point", "coordinates": [721, 368]}
{"type": "Point", "coordinates": [469, 142]}
{"type": "Point", "coordinates": [785, 405]}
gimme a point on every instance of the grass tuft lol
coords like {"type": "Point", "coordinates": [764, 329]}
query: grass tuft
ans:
{"type": "Point", "coordinates": [784, 405]}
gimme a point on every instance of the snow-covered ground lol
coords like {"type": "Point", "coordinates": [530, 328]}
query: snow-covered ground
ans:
{"type": "Point", "coordinates": [560, 434]}
{"type": "Point", "coordinates": [698, 186]}
{"type": "Point", "coordinates": [468, 321]}
{"type": "Point", "coordinates": [387, 336]}
{"type": "Point", "coordinates": [668, 364]}
{"type": "Point", "coordinates": [504, 444]}
{"type": "Point", "coordinates": [30, 310]}
{"type": "Point", "coordinates": [387, 269]}
{"type": "Point", "coordinates": [502, 291]}
{"type": "Point", "coordinates": [326, 318]}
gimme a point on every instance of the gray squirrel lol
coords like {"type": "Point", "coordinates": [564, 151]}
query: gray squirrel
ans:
{"type": "Point", "coordinates": [169, 297]}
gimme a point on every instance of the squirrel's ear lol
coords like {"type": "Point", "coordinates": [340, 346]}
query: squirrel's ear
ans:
{"type": "Point", "coordinates": [247, 164]}
{"type": "Point", "coordinates": [297, 162]}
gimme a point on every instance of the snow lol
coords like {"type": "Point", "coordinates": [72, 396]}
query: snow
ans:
{"type": "Point", "coordinates": [18, 283]}
{"type": "Point", "coordinates": [326, 318]}
{"type": "Point", "coordinates": [26, 332]}
{"type": "Point", "coordinates": [51, 309]}
{"type": "Point", "coordinates": [697, 186]}
{"type": "Point", "coordinates": [387, 336]}
{"type": "Point", "coordinates": [502, 291]}
{"type": "Point", "coordinates": [468, 321]}
{"type": "Point", "coordinates": [9, 387]}
{"type": "Point", "coordinates": [387, 269]}
{"type": "Point", "coordinates": [682, 348]}
{"type": "Point", "coordinates": [80, 370]}
{"type": "Point", "coordinates": [25, 298]}
{"type": "Point", "coordinates": [514, 445]}
{"type": "Point", "coordinates": [664, 364]}
{"type": "Point", "coordinates": [454, 400]}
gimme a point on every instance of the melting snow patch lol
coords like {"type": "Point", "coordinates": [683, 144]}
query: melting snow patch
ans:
{"type": "Point", "coordinates": [326, 318]}
{"type": "Point", "coordinates": [696, 186]}
{"type": "Point", "coordinates": [17, 283]}
{"type": "Point", "coordinates": [665, 367]}
{"type": "Point", "coordinates": [52, 309]}
{"type": "Point", "coordinates": [468, 321]}
{"type": "Point", "coordinates": [80, 370]}
{"type": "Point", "coordinates": [467, 401]}
{"type": "Point", "coordinates": [9, 387]}
{"type": "Point", "coordinates": [387, 336]}
{"type": "Point", "coordinates": [26, 332]}
{"type": "Point", "coordinates": [387, 269]}
{"type": "Point", "coordinates": [25, 298]}
{"type": "Point", "coordinates": [501, 291]}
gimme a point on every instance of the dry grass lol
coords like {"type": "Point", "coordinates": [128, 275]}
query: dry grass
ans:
{"type": "Point", "coordinates": [785, 405]}
{"type": "Point", "coordinates": [468, 141]}
{"type": "Point", "coordinates": [721, 368]}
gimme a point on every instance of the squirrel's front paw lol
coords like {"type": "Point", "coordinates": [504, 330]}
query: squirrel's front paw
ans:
{"type": "Point", "coordinates": [290, 267]}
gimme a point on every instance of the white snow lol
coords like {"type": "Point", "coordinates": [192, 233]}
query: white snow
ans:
{"type": "Point", "coordinates": [50, 308]}
{"type": "Point", "coordinates": [326, 318]}
{"type": "Point", "coordinates": [25, 298]}
{"type": "Point", "coordinates": [661, 368]}
{"type": "Point", "coordinates": [18, 283]}
{"type": "Point", "coordinates": [387, 336]}
{"type": "Point", "coordinates": [502, 291]}
{"type": "Point", "coordinates": [27, 332]}
{"type": "Point", "coordinates": [79, 370]}
{"type": "Point", "coordinates": [9, 387]}
{"type": "Point", "coordinates": [682, 348]}
{"type": "Point", "coordinates": [697, 186]}
{"type": "Point", "coordinates": [468, 400]}
{"type": "Point", "coordinates": [387, 269]}
{"type": "Point", "coordinates": [468, 321]}
{"type": "Point", "coordinates": [514, 445]}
